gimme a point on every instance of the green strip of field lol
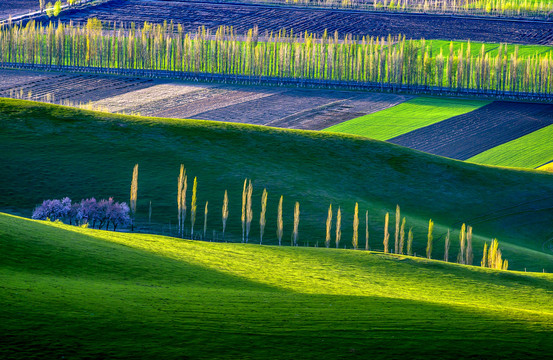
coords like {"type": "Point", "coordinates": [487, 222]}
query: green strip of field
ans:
{"type": "Point", "coordinates": [529, 151]}
{"type": "Point", "coordinates": [547, 167]}
{"type": "Point", "coordinates": [68, 292]}
{"type": "Point", "coordinates": [406, 117]}
{"type": "Point", "coordinates": [492, 49]}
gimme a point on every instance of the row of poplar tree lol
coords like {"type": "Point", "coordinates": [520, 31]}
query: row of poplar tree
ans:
{"type": "Point", "coordinates": [526, 8]}
{"type": "Point", "coordinates": [491, 257]}
{"type": "Point", "coordinates": [389, 62]}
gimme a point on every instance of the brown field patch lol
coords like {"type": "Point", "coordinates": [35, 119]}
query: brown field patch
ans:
{"type": "Point", "coordinates": [285, 107]}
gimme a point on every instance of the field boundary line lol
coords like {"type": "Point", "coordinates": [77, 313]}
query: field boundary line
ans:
{"type": "Point", "coordinates": [281, 81]}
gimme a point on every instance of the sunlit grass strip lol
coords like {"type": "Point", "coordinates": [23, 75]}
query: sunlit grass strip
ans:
{"type": "Point", "coordinates": [547, 167]}
{"type": "Point", "coordinates": [528, 151]}
{"type": "Point", "coordinates": [411, 64]}
{"type": "Point", "coordinates": [406, 117]}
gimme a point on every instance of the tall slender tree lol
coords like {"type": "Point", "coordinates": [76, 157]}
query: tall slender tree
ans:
{"type": "Point", "coordinates": [249, 212]}
{"type": "Point", "coordinates": [328, 226]}
{"type": "Point", "coordinates": [484, 261]}
{"type": "Point", "coordinates": [338, 227]}
{"type": "Point", "coordinates": [462, 244]}
{"type": "Point", "coordinates": [280, 224]}
{"type": "Point", "coordinates": [244, 199]}
{"type": "Point", "coordinates": [181, 198]}
{"type": "Point", "coordinates": [355, 239]}
{"type": "Point", "coordinates": [262, 215]}
{"type": "Point", "coordinates": [410, 242]}
{"type": "Point", "coordinates": [446, 247]}
{"type": "Point", "coordinates": [396, 235]}
{"type": "Point", "coordinates": [402, 237]}
{"type": "Point", "coordinates": [225, 213]}
{"type": "Point", "coordinates": [469, 254]}
{"type": "Point", "coordinates": [386, 233]}
{"type": "Point", "coordinates": [193, 207]}
{"type": "Point", "coordinates": [296, 222]}
{"type": "Point", "coordinates": [134, 194]}
{"type": "Point", "coordinates": [205, 219]}
{"type": "Point", "coordinates": [430, 239]}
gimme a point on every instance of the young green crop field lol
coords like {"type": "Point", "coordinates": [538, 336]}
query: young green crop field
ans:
{"type": "Point", "coordinates": [491, 49]}
{"type": "Point", "coordinates": [406, 117]}
{"type": "Point", "coordinates": [52, 151]}
{"type": "Point", "coordinates": [532, 150]}
{"type": "Point", "coordinates": [75, 293]}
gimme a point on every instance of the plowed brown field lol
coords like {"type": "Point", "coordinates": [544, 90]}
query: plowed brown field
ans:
{"type": "Point", "coordinates": [270, 18]}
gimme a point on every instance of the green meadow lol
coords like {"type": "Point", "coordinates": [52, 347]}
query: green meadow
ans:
{"type": "Point", "coordinates": [75, 293]}
{"type": "Point", "coordinates": [53, 151]}
{"type": "Point", "coordinates": [532, 150]}
{"type": "Point", "coordinates": [492, 49]}
{"type": "Point", "coordinates": [406, 117]}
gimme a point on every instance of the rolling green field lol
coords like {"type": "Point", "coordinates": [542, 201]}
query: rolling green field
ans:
{"type": "Point", "coordinates": [532, 150]}
{"type": "Point", "coordinates": [53, 151]}
{"type": "Point", "coordinates": [75, 293]}
{"type": "Point", "coordinates": [406, 117]}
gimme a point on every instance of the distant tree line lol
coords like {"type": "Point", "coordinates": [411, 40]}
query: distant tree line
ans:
{"type": "Point", "coordinates": [87, 211]}
{"type": "Point", "coordinates": [513, 8]}
{"type": "Point", "coordinates": [390, 62]}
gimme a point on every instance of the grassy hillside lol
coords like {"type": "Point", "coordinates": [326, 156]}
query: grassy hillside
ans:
{"type": "Point", "coordinates": [76, 293]}
{"type": "Point", "coordinates": [52, 151]}
{"type": "Point", "coordinates": [532, 150]}
{"type": "Point", "coordinates": [406, 117]}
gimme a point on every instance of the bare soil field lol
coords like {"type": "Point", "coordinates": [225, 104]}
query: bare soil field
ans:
{"type": "Point", "coordinates": [243, 17]}
{"type": "Point", "coordinates": [310, 109]}
{"type": "Point", "coordinates": [17, 7]}
{"type": "Point", "coordinates": [60, 87]}
{"type": "Point", "coordinates": [462, 137]}
{"type": "Point", "coordinates": [304, 109]}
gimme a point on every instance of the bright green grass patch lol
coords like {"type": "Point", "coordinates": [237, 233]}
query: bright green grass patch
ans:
{"type": "Point", "coordinates": [528, 151]}
{"type": "Point", "coordinates": [492, 49]}
{"type": "Point", "coordinates": [406, 117]}
{"type": "Point", "coordinates": [53, 151]}
{"type": "Point", "coordinates": [79, 293]}
{"type": "Point", "coordinates": [547, 167]}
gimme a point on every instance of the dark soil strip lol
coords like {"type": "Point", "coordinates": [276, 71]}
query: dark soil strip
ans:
{"type": "Point", "coordinates": [243, 17]}
{"type": "Point", "coordinates": [74, 87]}
{"type": "Point", "coordinates": [464, 136]}
{"type": "Point", "coordinates": [274, 107]}
{"type": "Point", "coordinates": [16, 7]}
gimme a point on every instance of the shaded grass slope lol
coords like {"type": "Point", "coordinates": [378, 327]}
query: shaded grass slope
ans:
{"type": "Point", "coordinates": [51, 151]}
{"type": "Point", "coordinates": [79, 293]}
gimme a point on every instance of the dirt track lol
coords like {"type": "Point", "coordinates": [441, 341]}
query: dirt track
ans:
{"type": "Point", "coordinates": [464, 136]}
{"type": "Point", "coordinates": [243, 17]}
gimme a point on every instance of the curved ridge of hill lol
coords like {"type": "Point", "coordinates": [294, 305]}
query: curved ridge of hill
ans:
{"type": "Point", "coordinates": [70, 292]}
{"type": "Point", "coordinates": [53, 151]}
